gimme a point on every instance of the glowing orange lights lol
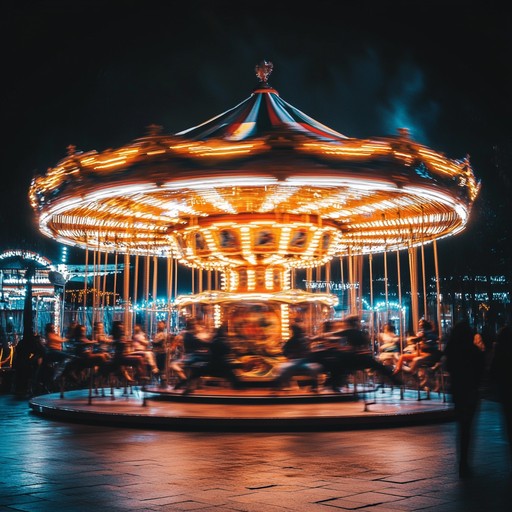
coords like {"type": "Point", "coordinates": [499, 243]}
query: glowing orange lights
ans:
{"type": "Point", "coordinates": [208, 194]}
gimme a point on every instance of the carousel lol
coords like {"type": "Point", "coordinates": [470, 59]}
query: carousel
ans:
{"type": "Point", "coordinates": [255, 202]}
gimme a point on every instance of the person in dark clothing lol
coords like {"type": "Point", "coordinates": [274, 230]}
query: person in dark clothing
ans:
{"type": "Point", "coordinates": [501, 377]}
{"type": "Point", "coordinates": [215, 362]}
{"type": "Point", "coordinates": [28, 354]}
{"type": "Point", "coordinates": [427, 351]}
{"type": "Point", "coordinates": [196, 349]}
{"type": "Point", "coordinates": [352, 353]}
{"type": "Point", "coordinates": [55, 359]}
{"type": "Point", "coordinates": [123, 357]}
{"type": "Point", "coordinates": [429, 347]}
{"type": "Point", "coordinates": [160, 346]}
{"type": "Point", "coordinates": [326, 352]}
{"type": "Point", "coordinates": [219, 364]}
{"type": "Point", "coordinates": [297, 351]}
{"type": "Point", "coordinates": [84, 356]}
{"type": "Point", "coordinates": [357, 354]}
{"type": "Point", "coordinates": [196, 355]}
{"type": "Point", "coordinates": [465, 362]}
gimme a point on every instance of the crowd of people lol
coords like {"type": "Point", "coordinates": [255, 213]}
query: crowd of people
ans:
{"type": "Point", "coordinates": [341, 348]}
{"type": "Point", "coordinates": [338, 352]}
{"type": "Point", "coordinates": [130, 358]}
{"type": "Point", "coordinates": [194, 352]}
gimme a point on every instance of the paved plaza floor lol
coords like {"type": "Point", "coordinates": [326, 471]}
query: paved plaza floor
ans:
{"type": "Point", "coordinates": [54, 465]}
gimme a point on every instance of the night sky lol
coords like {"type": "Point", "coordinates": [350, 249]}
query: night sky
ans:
{"type": "Point", "coordinates": [95, 74]}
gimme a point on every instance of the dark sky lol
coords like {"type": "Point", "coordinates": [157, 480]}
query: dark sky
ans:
{"type": "Point", "coordinates": [95, 74]}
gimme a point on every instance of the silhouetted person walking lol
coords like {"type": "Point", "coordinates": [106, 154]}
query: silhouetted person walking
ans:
{"type": "Point", "coordinates": [500, 372]}
{"type": "Point", "coordinates": [465, 362]}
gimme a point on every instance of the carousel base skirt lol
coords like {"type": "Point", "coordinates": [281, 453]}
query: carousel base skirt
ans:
{"type": "Point", "coordinates": [219, 408]}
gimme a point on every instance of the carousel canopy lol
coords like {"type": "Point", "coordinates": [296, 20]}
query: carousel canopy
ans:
{"type": "Point", "coordinates": [261, 183]}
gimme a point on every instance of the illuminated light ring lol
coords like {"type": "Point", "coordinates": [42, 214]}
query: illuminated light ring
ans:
{"type": "Point", "coordinates": [86, 222]}
{"type": "Point", "coordinates": [284, 297]}
{"type": "Point", "coordinates": [315, 244]}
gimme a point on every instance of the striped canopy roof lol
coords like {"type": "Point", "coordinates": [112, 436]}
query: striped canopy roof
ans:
{"type": "Point", "coordinates": [262, 114]}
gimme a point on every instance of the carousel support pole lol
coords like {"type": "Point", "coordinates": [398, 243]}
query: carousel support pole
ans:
{"type": "Point", "coordinates": [355, 310]}
{"type": "Point", "coordinates": [155, 293]}
{"type": "Point", "coordinates": [84, 317]}
{"type": "Point", "coordinates": [147, 264]}
{"type": "Point", "coordinates": [61, 330]}
{"type": "Point", "coordinates": [386, 283]}
{"type": "Point", "coordinates": [96, 268]}
{"type": "Point", "coordinates": [126, 292]}
{"type": "Point", "coordinates": [438, 292]}
{"type": "Point", "coordinates": [97, 285]}
{"type": "Point", "coordinates": [193, 288]}
{"type": "Point", "coordinates": [135, 291]}
{"type": "Point", "coordinates": [424, 278]}
{"type": "Point", "coordinates": [104, 288]}
{"type": "Point", "coordinates": [351, 281]}
{"type": "Point", "coordinates": [175, 278]}
{"type": "Point", "coordinates": [115, 283]}
{"type": "Point", "coordinates": [359, 280]}
{"type": "Point", "coordinates": [342, 281]}
{"type": "Point", "coordinates": [402, 319]}
{"type": "Point", "coordinates": [94, 283]}
{"type": "Point", "coordinates": [169, 292]}
{"type": "Point", "coordinates": [413, 270]}
{"type": "Point", "coordinates": [372, 317]}
{"type": "Point", "coordinates": [439, 319]}
{"type": "Point", "coordinates": [386, 279]}
{"type": "Point", "coordinates": [328, 284]}
{"type": "Point", "coordinates": [168, 320]}
{"type": "Point", "coordinates": [423, 268]}
{"type": "Point", "coordinates": [176, 285]}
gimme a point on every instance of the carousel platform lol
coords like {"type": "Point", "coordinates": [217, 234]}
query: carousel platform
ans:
{"type": "Point", "coordinates": [219, 408]}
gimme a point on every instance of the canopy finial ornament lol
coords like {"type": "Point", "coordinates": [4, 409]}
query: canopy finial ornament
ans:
{"type": "Point", "coordinates": [263, 70]}
{"type": "Point", "coordinates": [153, 130]}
